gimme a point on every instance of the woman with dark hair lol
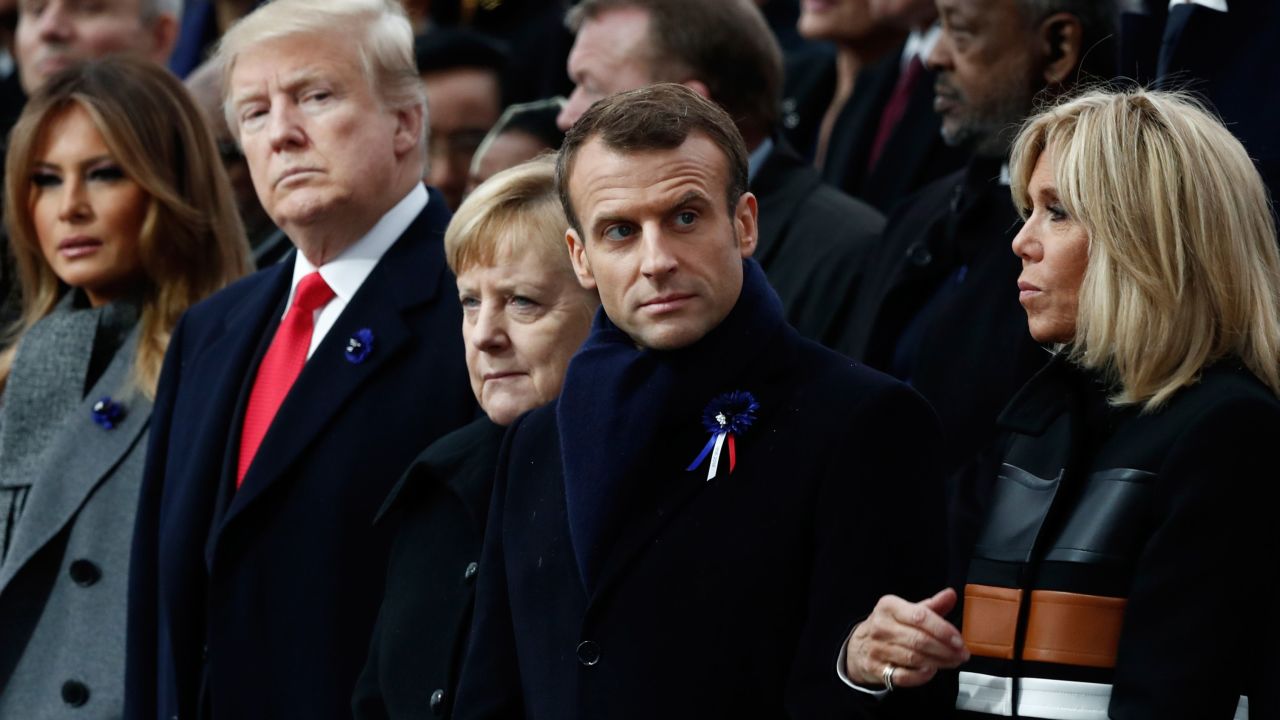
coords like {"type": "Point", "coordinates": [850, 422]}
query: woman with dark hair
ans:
{"type": "Point", "coordinates": [120, 217]}
{"type": "Point", "coordinates": [1126, 566]}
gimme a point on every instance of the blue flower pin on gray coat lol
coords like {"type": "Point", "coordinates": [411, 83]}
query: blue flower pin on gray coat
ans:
{"type": "Point", "coordinates": [107, 413]}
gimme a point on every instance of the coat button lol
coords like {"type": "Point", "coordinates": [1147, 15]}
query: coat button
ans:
{"type": "Point", "coordinates": [437, 702]}
{"type": "Point", "coordinates": [75, 693]}
{"type": "Point", "coordinates": [588, 652]}
{"type": "Point", "coordinates": [84, 573]}
{"type": "Point", "coordinates": [470, 573]}
{"type": "Point", "coordinates": [919, 254]}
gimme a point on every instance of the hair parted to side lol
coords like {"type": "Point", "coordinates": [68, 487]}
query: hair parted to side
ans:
{"type": "Point", "coordinates": [516, 206]}
{"type": "Point", "coordinates": [717, 42]}
{"type": "Point", "coordinates": [1183, 268]}
{"type": "Point", "coordinates": [191, 242]}
{"type": "Point", "coordinates": [380, 29]}
{"type": "Point", "coordinates": [654, 117]}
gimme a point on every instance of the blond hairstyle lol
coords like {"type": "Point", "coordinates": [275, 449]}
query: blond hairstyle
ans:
{"type": "Point", "coordinates": [519, 204]}
{"type": "Point", "coordinates": [381, 29]}
{"type": "Point", "coordinates": [191, 242]}
{"type": "Point", "coordinates": [1183, 268]}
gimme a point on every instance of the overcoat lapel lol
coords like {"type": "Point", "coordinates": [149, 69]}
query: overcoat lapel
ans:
{"type": "Point", "coordinates": [675, 491]}
{"type": "Point", "coordinates": [674, 487]}
{"type": "Point", "coordinates": [228, 360]}
{"type": "Point", "coordinates": [407, 276]}
{"type": "Point", "coordinates": [81, 455]}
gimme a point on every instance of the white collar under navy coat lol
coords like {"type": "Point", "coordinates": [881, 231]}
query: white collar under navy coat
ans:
{"type": "Point", "coordinates": [1219, 5]}
{"type": "Point", "coordinates": [348, 271]}
{"type": "Point", "coordinates": [920, 44]}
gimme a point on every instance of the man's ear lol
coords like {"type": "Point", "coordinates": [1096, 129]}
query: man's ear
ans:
{"type": "Point", "coordinates": [699, 87]}
{"type": "Point", "coordinates": [1061, 38]}
{"type": "Point", "coordinates": [745, 217]}
{"type": "Point", "coordinates": [164, 36]}
{"type": "Point", "coordinates": [409, 130]}
{"type": "Point", "coordinates": [578, 256]}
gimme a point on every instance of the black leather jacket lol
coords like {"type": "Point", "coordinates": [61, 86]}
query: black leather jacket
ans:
{"type": "Point", "coordinates": [1124, 561]}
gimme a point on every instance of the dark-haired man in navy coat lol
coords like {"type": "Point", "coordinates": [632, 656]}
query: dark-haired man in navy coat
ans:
{"type": "Point", "coordinates": [694, 526]}
{"type": "Point", "coordinates": [291, 401]}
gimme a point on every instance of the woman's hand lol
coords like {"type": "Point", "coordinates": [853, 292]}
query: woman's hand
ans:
{"type": "Point", "coordinates": [911, 638]}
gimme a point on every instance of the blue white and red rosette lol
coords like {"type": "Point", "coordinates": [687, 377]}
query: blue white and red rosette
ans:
{"type": "Point", "coordinates": [725, 417]}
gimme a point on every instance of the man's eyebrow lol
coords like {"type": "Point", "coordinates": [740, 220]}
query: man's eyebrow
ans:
{"type": "Point", "coordinates": [691, 197]}
{"type": "Point", "coordinates": [599, 222]}
{"type": "Point", "coordinates": [289, 85]}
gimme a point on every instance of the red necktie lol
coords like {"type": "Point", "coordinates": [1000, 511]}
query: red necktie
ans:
{"type": "Point", "coordinates": [895, 109]}
{"type": "Point", "coordinates": [281, 365]}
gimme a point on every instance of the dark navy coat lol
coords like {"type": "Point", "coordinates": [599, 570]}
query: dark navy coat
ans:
{"type": "Point", "coordinates": [259, 602]}
{"type": "Point", "coordinates": [728, 598]}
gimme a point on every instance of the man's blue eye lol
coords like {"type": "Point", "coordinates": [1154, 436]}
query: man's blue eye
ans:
{"type": "Point", "coordinates": [619, 232]}
{"type": "Point", "coordinates": [688, 217]}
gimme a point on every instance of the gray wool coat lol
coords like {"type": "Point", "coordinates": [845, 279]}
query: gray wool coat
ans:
{"type": "Point", "coordinates": [64, 579]}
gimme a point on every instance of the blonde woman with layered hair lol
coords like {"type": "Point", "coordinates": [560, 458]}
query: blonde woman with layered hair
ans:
{"type": "Point", "coordinates": [1126, 564]}
{"type": "Point", "coordinates": [1183, 268]}
{"type": "Point", "coordinates": [120, 218]}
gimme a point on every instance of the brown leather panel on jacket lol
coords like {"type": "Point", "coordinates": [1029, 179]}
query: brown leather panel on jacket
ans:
{"type": "Point", "coordinates": [990, 620]}
{"type": "Point", "coordinates": [1074, 629]}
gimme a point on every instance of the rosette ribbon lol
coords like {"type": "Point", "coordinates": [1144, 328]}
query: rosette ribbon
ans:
{"type": "Point", "coordinates": [725, 417]}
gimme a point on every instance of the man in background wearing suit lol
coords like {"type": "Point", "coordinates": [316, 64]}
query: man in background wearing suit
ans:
{"type": "Point", "coordinates": [291, 401]}
{"type": "Point", "coordinates": [885, 144]}
{"type": "Point", "coordinates": [814, 240]}
{"type": "Point", "coordinates": [692, 528]}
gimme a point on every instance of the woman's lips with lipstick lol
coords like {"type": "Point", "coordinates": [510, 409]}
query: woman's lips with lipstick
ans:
{"type": "Point", "coordinates": [501, 375]}
{"type": "Point", "coordinates": [79, 246]}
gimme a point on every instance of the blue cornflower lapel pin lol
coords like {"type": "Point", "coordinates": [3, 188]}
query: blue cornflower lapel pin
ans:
{"type": "Point", "coordinates": [107, 413]}
{"type": "Point", "coordinates": [725, 417]}
{"type": "Point", "coordinates": [359, 346]}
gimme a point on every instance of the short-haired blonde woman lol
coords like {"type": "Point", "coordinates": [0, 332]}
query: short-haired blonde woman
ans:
{"type": "Point", "coordinates": [1127, 564]}
{"type": "Point", "coordinates": [524, 316]}
{"type": "Point", "coordinates": [120, 217]}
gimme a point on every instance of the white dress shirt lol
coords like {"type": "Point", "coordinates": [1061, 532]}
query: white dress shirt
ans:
{"type": "Point", "coordinates": [348, 271]}
{"type": "Point", "coordinates": [1219, 5]}
{"type": "Point", "coordinates": [920, 44]}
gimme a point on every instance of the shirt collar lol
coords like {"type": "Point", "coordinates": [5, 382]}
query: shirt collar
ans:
{"type": "Point", "coordinates": [920, 44]}
{"type": "Point", "coordinates": [347, 272]}
{"type": "Point", "coordinates": [757, 158]}
{"type": "Point", "coordinates": [1219, 5]}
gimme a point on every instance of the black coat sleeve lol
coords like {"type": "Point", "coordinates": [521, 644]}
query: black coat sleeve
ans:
{"type": "Point", "coordinates": [141, 661]}
{"type": "Point", "coordinates": [881, 529]}
{"type": "Point", "coordinates": [1196, 621]}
